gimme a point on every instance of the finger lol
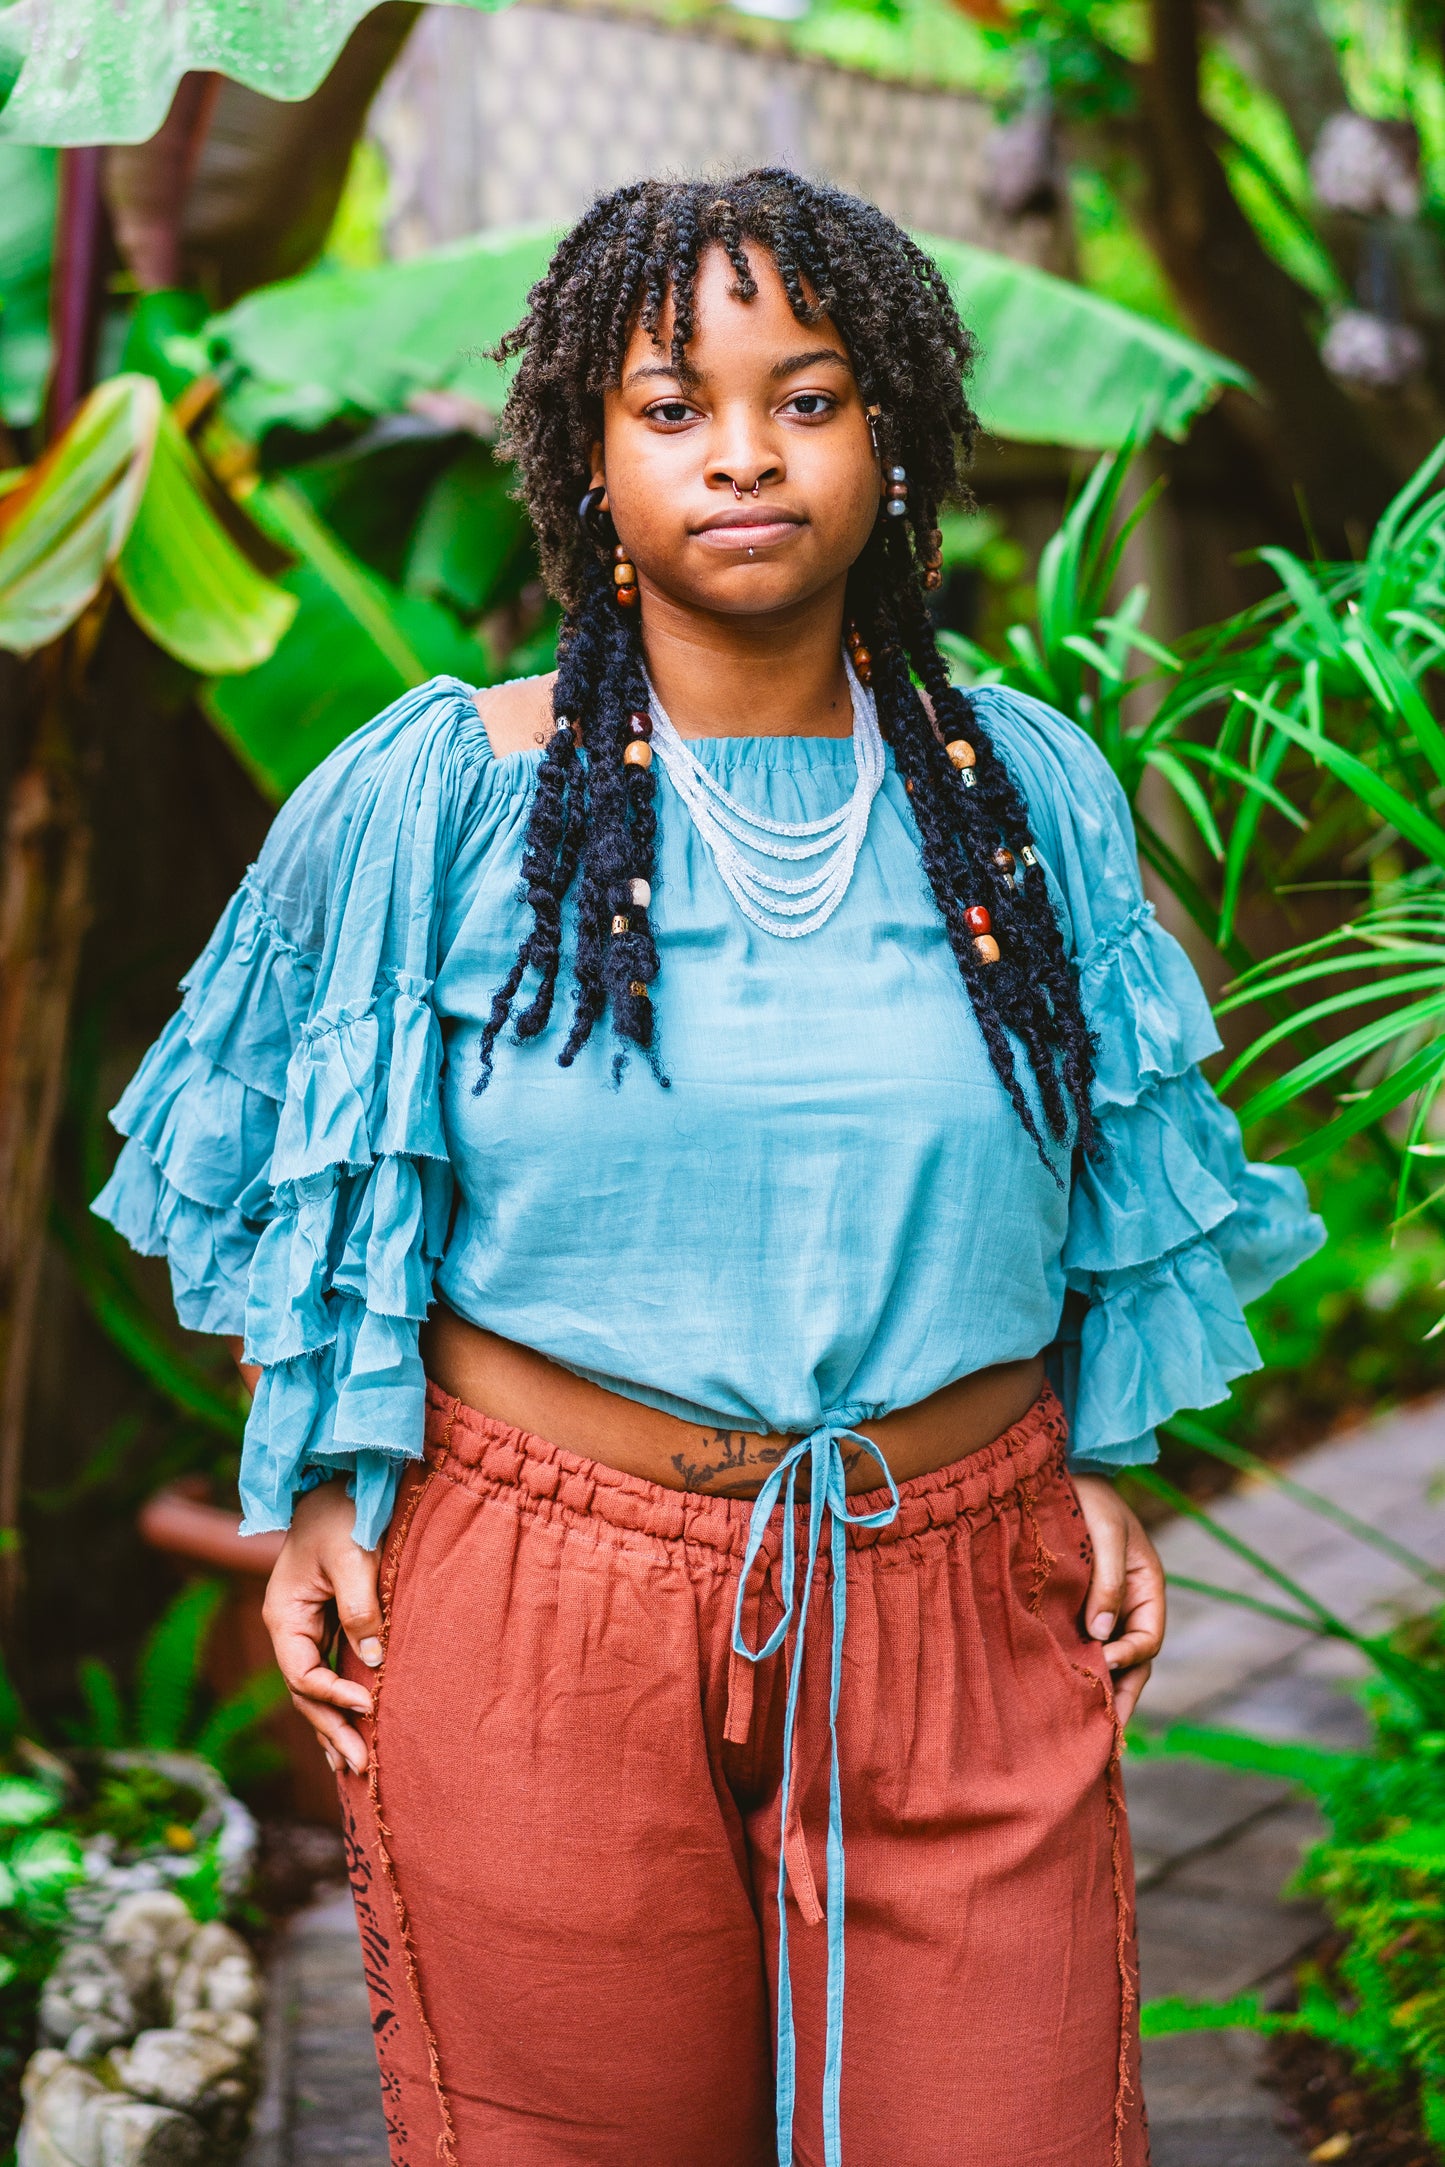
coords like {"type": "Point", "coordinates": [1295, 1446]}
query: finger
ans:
{"type": "Point", "coordinates": [339, 1742]}
{"type": "Point", "coordinates": [299, 1661]}
{"type": "Point", "coordinates": [1106, 1584]}
{"type": "Point", "coordinates": [357, 1603]}
{"type": "Point", "coordinates": [1128, 1685]}
{"type": "Point", "coordinates": [1143, 1634]}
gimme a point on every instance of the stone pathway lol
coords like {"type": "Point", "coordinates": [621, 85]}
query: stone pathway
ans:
{"type": "Point", "coordinates": [1213, 1848]}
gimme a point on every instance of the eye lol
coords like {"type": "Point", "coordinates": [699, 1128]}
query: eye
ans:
{"type": "Point", "coordinates": [670, 412]}
{"type": "Point", "coordinates": [810, 405]}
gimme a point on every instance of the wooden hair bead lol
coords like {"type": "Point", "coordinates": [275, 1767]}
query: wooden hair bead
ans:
{"type": "Point", "coordinates": [619, 922]}
{"type": "Point", "coordinates": [933, 577]}
{"type": "Point", "coordinates": [640, 725]}
{"type": "Point", "coordinates": [640, 893]}
{"type": "Point", "coordinates": [638, 753]}
{"type": "Point", "coordinates": [960, 752]}
{"type": "Point", "coordinates": [987, 947]}
{"type": "Point", "coordinates": [624, 574]}
{"type": "Point", "coordinates": [977, 919]}
{"type": "Point", "coordinates": [1004, 860]}
{"type": "Point", "coordinates": [619, 554]}
{"type": "Point", "coordinates": [625, 597]}
{"type": "Point", "coordinates": [638, 990]}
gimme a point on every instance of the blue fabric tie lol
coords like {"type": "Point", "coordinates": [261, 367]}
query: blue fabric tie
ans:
{"type": "Point", "coordinates": [827, 1492]}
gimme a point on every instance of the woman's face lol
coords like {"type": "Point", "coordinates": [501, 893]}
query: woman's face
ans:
{"type": "Point", "coordinates": [747, 483]}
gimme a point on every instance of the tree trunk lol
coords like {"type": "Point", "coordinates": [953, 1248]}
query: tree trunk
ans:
{"type": "Point", "coordinates": [1239, 300]}
{"type": "Point", "coordinates": [44, 909]}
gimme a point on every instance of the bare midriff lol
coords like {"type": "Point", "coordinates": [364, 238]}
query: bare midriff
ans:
{"type": "Point", "coordinates": [519, 1386]}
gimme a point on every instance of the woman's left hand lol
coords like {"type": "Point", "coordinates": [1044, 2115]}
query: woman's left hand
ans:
{"type": "Point", "coordinates": [1125, 1604]}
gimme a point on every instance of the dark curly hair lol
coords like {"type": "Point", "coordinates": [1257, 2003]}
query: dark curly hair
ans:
{"type": "Point", "coordinates": [841, 258]}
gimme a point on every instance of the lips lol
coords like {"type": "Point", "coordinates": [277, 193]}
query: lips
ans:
{"type": "Point", "coordinates": [750, 526]}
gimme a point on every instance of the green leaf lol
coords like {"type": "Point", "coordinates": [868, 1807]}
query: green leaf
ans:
{"type": "Point", "coordinates": [104, 1708]}
{"type": "Point", "coordinates": [470, 532]}
{"type": "Point", "coordinates": [107, 74]}
{"type": "Point", "coordinates": [46, 1862]}
{"type": "Point", "coordinates": [27, 222]}
{"type": "Point", "coordinates": [185, 581]}
{"type": "Point", "coordinates": [1413, 823]}
{"type": "Point", "coordinates": [237, 1716]}
{"type": "Point", "coordinates": [1172, 768]}
{"type": "Point", "coordinates": [1171, 2014]}
{"type": "Point", "coordinates": [1059, 365]}
{"type": "Point", "coordinates": [356, 643]}
{"type": "Point", "coordinates": [24, 1801]}
{"type": "Point", "coordinates": [64, 527]}
{"type": "Point", "coordinates": [169, 1666]}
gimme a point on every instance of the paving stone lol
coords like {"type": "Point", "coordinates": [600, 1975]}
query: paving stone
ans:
{"type": "Point", "coordinates": [1207, 2107]}
{"type": "Point", "coordinates": [322, 2102]}
{"type": "Point", "coordinates": [1177, 1806]}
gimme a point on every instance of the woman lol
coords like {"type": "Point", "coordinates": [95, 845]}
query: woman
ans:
{"type": "Point", "coordinates": [875, 1095]}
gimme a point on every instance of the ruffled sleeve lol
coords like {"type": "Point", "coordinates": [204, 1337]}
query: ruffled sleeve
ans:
{"type": "Point", "coordinates": [1171, 1229]}
{"type": "Point", "coordinates": [284, 1142]}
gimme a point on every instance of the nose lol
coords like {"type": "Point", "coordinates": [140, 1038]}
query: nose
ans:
{"type": "Point", "coordinates": [744, 464]}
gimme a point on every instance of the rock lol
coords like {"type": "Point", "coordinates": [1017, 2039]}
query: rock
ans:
{"type": "Point", "coordinates": [86, 2004]}
{"type": "Point", "coordinates": [149, 1935]}
{"type": "Point", "coordinates": [217, 1973]}
{"type": "Point", "coordinates": [73, 2120]}
{"type": "Point", "coordinates": [242, 2034]}
{"type": "Point", "coordinates": [191, 2070]}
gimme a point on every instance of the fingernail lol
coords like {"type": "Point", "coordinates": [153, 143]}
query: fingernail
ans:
{"type": "Point", "coordinates": [371, 1652]}
{"type": "Point", "coordinates": [355, 1759]}
{"type": "Point", "coordinates": [330, 1759]}
{"type": "Point", "coordinates": [1111, 1657]}
{"type": "Point", "coordinates": [1103, 1625]}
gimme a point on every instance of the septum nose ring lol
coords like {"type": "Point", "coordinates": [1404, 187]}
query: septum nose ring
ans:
{"type": "Point", "coordinates": [757, 485]}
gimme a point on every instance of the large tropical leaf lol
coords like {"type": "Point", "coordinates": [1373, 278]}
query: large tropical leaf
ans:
{"type": "Point", "coordinates": [122, 492]}
{"type": "Point", "coordinates": [184, 580]}
{"type": "Point", "coordinates": [1060, 365]}
{"type": "Point", "coordinates": [357, 641]}
{"type": "Point", "coordinates": [27, 221]}
{"type": "Point", "coordinates": [87, 71]}
{"type": "Point", "coordinates": [63, 528]}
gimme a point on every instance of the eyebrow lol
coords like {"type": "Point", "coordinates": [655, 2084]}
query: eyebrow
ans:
{"type": "Point", "coordinates": [686, 374]}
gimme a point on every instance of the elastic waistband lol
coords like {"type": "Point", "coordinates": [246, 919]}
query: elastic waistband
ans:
{"type": "Point", "coordinates": [491, 1456]}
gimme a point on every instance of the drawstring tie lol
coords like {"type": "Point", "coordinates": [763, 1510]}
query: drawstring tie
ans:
{"type": "Point", "coordinates": [827, 1492]}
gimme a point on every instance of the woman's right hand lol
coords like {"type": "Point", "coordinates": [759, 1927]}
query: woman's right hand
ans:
{"type": "Point", "coordinates": [320, 1565]}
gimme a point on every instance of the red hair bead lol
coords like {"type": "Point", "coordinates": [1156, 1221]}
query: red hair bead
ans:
{"type": "Point", "coordinates": [977, 919]}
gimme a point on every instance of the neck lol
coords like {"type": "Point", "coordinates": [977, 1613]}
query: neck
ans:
{"type": "Point", "coordinates": [776, 676]}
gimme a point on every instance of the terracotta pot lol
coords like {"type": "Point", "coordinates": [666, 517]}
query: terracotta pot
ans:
{"type": "Point", "coordinates": [181, 1521]}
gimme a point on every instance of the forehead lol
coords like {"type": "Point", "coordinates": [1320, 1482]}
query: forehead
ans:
{"type": "Point", "coordinates": [729, 332]}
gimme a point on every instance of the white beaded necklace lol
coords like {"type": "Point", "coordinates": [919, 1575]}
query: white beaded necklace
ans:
{"type": "Point", "coordinates": [787, 908]}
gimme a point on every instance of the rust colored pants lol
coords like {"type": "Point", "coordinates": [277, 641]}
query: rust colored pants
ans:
{"type": "Point", "coordinates": [565, 1853]}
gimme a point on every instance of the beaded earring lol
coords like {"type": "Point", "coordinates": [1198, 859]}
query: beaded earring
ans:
{"type": "Point", "coordinates": [596, 521]}
{"type": "Point", "coordinates": [624, 579]}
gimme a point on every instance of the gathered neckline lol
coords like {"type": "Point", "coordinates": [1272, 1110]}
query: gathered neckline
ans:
{"type": "Point", "coordinates": [796, 751]}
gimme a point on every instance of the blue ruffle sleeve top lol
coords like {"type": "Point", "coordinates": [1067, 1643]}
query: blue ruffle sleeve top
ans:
{"type": "Point", "coordinates": [831, 1211]}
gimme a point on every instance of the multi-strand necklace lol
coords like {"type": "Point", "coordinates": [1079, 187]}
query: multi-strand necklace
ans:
{"type": "Point", "coordinates": [774, 902]}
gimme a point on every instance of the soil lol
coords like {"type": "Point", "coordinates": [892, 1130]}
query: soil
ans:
{"type": "Point", "coordinates": [1326, 2102]}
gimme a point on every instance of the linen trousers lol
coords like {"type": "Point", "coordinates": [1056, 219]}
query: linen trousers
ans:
{"type": "Point", "coordinates": [564, 1853]}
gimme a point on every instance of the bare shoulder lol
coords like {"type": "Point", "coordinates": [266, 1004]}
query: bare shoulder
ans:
{"type": "Point", "coordinates": [518, 715]}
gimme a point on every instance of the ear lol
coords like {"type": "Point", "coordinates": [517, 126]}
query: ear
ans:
{"type": "Point", "coordinates": [599, 476]}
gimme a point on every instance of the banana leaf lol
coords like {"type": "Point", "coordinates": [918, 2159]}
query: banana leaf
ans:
{"type": "Point", "coordinates": [356, 642]}
{"type": "Point", "coordinates": [1059, 365]}
{"type": "Point", "coordinates": [121, 493]}
{"type": "Point", "coordinates": [27, 221]}
{"type": "Point", "coordinates": [87, 71]}
{"type": "Point", "coordinates": [63, 528]}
